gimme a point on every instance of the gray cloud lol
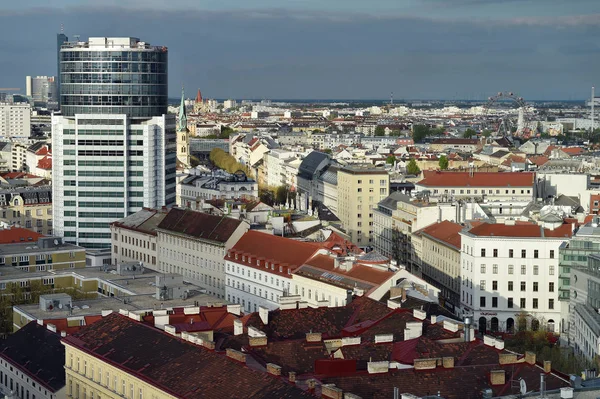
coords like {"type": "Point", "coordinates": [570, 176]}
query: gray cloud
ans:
{"type": "Point", "coordinates": [279, 53]}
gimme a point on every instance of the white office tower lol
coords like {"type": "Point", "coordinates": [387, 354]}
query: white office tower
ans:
{"type": "Point", "coordinates": [114, 146]}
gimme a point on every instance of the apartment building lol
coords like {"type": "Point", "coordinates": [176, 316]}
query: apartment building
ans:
{"type": "Point", "coordinates": [194, 245]}
{"type": "Point", "coordinates": [509, 274]}
{"type": "Point", "coordinates": [29, 207]}
{"type": "Point", "coordinates": [491, 186]}
{"type": "Point", "coordinates": [360, 189]}
{"type": "Point", "coordinates": [439, 252]}
{"type": "Point", "coordinates": [32, 363]}
{"type": "Point", "coordinates": [15, 120]}
{"type": "Point", "coordinates": [216, 186]}
{"type": "Point", "coordinates": [134, 238]}
{"type": "Point", "coordinates": [259, 269]}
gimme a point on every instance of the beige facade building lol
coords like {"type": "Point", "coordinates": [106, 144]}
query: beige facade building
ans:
{"type": "Point", "coordinates": [439, 251]}
{"type": "Point", "coordinates": [194, 245]}
{"type": "Point", "coordinates": [360, 189]}
{"type": "Point", "coordinates": [134, 238]}
{"type": "Point", "coordinates": [29, 207]}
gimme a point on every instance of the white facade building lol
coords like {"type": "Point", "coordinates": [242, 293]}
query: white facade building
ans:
{"type": "Point", "coordinates": [15, 120]}
{"type": "Point", "coordinates": [194, 245]}
{"type": "Point", "coordinates": [275, 165]}
{"type": "Point", "coordinates": [510, 273]}
{"type": "Point", "coordinates": [107, 167]}
{"type": "Point", "coordinates": [225, 186]}
{"type": "Point", "coordinates": [259, 269]}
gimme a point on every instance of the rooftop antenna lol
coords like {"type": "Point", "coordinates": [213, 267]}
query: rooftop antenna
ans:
{"type": "Point", "coordinates": [62, 28]}
{"type": "Point", "coordinates": [392, 98]}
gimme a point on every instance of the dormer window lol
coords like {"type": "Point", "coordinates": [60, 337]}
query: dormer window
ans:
{"type": "Point", "coordinates": [236, 256]}
{"type": "Point", "coordinates": [257, 262]}
{"type": "Point", "coordinates": [280, 269]}
{"type": "Point", "coordinates": [243, 258]}
{"type": "Point", "coordinates": [272, 266]}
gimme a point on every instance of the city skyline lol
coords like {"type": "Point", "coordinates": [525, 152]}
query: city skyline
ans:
{"type": "Point", "coordinates": [446, 49]}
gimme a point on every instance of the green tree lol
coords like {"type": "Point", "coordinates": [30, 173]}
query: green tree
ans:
{"type": "Point", "coordinates": [486, 133]}
{"type": "Point", "coordinates": [420, 132]}
{"type": "Point", "coordinates": [281, 195]}
{"type": "Point", "coordinates": [379, 131]}
{"type": "Point", "coordinates": [438, 131]}
{"type": "Point", "coordinates": [266, 196]}
{"type": "Point", "coordinates": [412, 168]}
{"type": "Point", "coordinates": [443, 162]}
{"type": "Point", "coordinates": [390, 159]}
{"type": "Point", "coordinates": [328, 151]}
{"type": "Point", "coordinates": [469, 133]}
{"type": "Point", "coordinates": [226, 132]}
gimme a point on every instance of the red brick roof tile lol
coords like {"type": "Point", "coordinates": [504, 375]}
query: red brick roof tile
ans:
{"type": "Point", "coordinates": [528, 230]}
{"type": "Point", "coordinates": [18, 235]}
{"type": "Point", "coordinates": [444, 231]}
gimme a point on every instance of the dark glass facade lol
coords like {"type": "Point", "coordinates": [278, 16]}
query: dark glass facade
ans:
{"type": "Point", "coordinates": [111, 80]}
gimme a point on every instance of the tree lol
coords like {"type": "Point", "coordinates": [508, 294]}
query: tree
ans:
{"type": "Point", "coordinates": [469, 133]}
{"type": "Point", "coordinates": [420, 132]}
{"type": "Point", "coordinates": [379, 131]}
{"type": "Point", "coordinates": [443, 162]}
{"type": "Point", "coordinates": [281, 195]}
{"type": "Point", "coordinates": [226, 131]}
{"type": "Point", "coordinates": [439, 131]}
{"type": "Point", "coordinates": [390, 159]}
{"type": "Point", "coordinates": [412, 168]}
{"type": "Point", "coordinates": [266, 196]}
{"type": "Point", "coordinates": [486, 133]}
{"type": "Point", "coordinates": [328, 151]}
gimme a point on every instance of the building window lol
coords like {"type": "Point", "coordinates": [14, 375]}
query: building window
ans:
{"type": "Point", "coordinates": [523, 253]}
{"type": "Point", "coordinates": [495, 302]}
{"type": "Point", "coordinates": [511, 269]}
{"type": "Point", "coordinates": [482, 269]}
{"type": "Point", "coordinates": [523, 285]}
{"type": "Point", "coordinates": [534, 305]}
{"type": "Point", "coordinates": [523, 269]}
{"type": "Point", "coordinates": [535, 286]}
{"type": "Point", "coordinates": [482, 285]}
{"type": "Point", "coordinates": [483, 252]}
{"type": "Point", "coordinates": [551, 270]}
{"type": "Point", "coordinates": [550, 303]}
{"type": "Point", "coordinates": [536, 253]}
{"type": "Point", "coordinates": [510, 253]}
{"type": "Point", "coordinates": [482, 301]}
{"type": "Point", "coordinates": [551, 287]}
{"type": "Point", "coordinates": [536, 270]}
{"type": "Point", "coordinates": [551, 254]}
{"type": "Point", "coordinates": [495, 269]}
{"type": "Point", "coordinates": [522, 303]}
{"type": "Point", "coordinates": [495, 285]}
{"type": "Point", "coordinates": [510, 285]}
{"type": "Point", "coordinates": [509, 303]}
{"type": "Point", "coordinates": [495, 253]}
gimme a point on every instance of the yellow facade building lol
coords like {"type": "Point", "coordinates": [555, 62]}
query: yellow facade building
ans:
{"type": "Point", "coordinates": [360, 189]}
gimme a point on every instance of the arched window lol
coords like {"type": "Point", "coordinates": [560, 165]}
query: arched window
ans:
{"type": "Point", "coordinates": [482, 325]}
{"type": "Point", "coordinates": [16, 202]}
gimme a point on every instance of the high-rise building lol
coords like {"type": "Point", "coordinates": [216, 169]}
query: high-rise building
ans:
{"type": "Point", "coordinates": [42, 89]}
{"type": "Point", "coordinates": [114, 144]}
{"type": "Point", "coordinates": [61, 39]}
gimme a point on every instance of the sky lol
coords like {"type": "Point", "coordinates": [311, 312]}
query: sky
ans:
{"type": "Point", "coordinates": [330, 49]}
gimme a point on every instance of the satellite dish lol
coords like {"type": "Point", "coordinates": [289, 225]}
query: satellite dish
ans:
{"type": "Point", "coordinates": [55, 242]}
{"type": "Point", "coordinates": [523, 386]}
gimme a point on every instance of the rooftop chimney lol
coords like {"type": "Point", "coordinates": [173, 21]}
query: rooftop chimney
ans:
{"type": "Point", "coordinates": [467, 329]}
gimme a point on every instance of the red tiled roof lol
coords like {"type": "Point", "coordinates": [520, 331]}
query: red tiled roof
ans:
{"type": "Point", "coordinates": [445, 231]}
{"type": "Point", "coordinates": [17, 235]}
{"type": "Point", "coordinates": [17, 175]}
{"type": "Point", "coordinates": [539, 160]}
{"type": "Point", "coordinates": [282, 251]}
{"type": "Point", "coordinates": [42, 151]}
{"type": "Point", "coordinates": [521, 230]}
{"type": "Point", "coordinates": [45, 163]}
{"type": "Point", "coordinates": [358, 271]}
{"type": "Point", "coordinates": [479, 179]}
{"type": "Point", "coordinates": [573, 151]}
{"type": "Point", "coordinates": [174, 366]}
{"type": "Point", "coordinates": [456, 141]}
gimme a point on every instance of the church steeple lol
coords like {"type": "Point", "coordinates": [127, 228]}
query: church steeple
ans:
{"type": "Point", "coordinates": [182, 120]}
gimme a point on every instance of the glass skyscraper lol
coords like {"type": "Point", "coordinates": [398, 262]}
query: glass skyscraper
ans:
{"type": "Point", "coordinates": [114, 146]}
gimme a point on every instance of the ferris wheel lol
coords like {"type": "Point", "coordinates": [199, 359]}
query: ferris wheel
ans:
{"type": "Point", "coordinates": [507, 114]}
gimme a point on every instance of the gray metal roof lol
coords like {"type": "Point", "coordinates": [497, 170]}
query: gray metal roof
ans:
{"type": "Point", "coordinates": [311, 163]}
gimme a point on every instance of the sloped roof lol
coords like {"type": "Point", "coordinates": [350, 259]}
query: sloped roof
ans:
{"type": "Point", "coordinates": [310, 164]}
{"type": "Point", "coordinates": [526, 230]}
{"type": "Point", "coordinates": [199, 225]}
{"type": "Point", "coordinates": [175, 366]}
{"type": "Point", "coordinates": [38, 352]}
{"type": "Point", "coordinates": [17, 235]}
{"type": "Point", "coordinates": [444, 231]}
